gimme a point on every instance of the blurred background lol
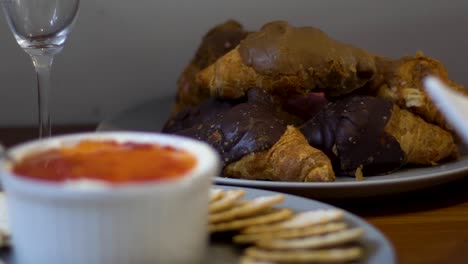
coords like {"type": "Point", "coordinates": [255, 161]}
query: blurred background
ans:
{"type": "Point", "coordinates": [122, 53]}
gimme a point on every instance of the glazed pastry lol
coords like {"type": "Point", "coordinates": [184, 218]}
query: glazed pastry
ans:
{"type": "Point", "coordinates": [374, 136]}
{"type": "Point", "coordinates": [288, 61]}
{"type": "Point", "coordinates": [217, 42]}
{"type": "Point", "coordinates": [305, 106]}
{"type": "Point", "coordinates": [290, 159]}
{"type": "Point", "coordinates": [234, 127]}
{"type": "Point", "coordinates": [401, 81]}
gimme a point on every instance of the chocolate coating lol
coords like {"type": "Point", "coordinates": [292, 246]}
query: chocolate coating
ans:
{"type": "Point", "coordinates": [217, 42]}
{"type": "Point", "coordinates": [325, 64]}
{"type": "Point", "coordinates": [351, 131]}
{"type": "Point", "coordinates": [305, 106]}
{"type": "Point", "coordinates": [233, 128]}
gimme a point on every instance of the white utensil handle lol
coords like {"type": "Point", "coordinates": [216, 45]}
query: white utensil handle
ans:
{"type": "Point", "coordinates": [452, 104]}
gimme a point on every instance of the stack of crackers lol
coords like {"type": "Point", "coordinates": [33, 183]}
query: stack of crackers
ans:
{"type": "Point", "coordinates": [278, 235]}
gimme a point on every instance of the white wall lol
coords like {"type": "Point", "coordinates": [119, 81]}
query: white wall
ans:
{"type": "Point", "coordinates": [124, 52]}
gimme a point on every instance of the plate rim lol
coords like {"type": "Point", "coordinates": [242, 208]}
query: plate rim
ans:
{"type": "Point", "coordinates": [374, 181]}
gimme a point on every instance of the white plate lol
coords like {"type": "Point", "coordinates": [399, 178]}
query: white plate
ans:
{"type": "Point", "coordinates": [151, 116]}
{"type": "Point", "coordinates": [378, 249]}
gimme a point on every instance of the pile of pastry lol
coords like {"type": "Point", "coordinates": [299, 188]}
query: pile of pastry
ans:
{"type": "Point", "coordinates": [289, 103]}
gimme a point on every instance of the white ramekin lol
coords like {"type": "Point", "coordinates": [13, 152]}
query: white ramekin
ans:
{"type": "Point", "coordinates": [161, 222]}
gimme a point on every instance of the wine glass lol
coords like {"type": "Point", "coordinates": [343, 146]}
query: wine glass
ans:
{"type": "Point", "coordinates": [41, 28]}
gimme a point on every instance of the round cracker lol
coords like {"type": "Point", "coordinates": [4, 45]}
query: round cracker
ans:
{"type": "Point", "coordinates": [290, 233]}
{"type": "Point", "coordinates": [328, 240]}
{"type": "Point", "coordinates": [248, 209]}
{"type": "Point", "coordinates": [271, 216]}
{"type": "Point", "coordinates": [227, 201]}
{"type": "Point", "coordinates": [249, 260]}
{"type": "Point", "coordinates": [307, 256]}
{"type": "Point", "coordinates": [216, 194]}
{"type": "Point", "coordinates": [300, 220]}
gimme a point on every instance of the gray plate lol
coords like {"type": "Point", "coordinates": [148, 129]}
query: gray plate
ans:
{"type": "Point", "coordinates": [151, 115]}
{"type": "Point", "coordinates": [377, 248]}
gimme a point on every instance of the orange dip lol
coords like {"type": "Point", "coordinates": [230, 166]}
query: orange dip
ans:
{"type": "Point", "coordinates": [108, 161]}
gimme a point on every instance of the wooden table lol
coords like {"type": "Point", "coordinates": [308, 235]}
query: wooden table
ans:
{"type": "Point", "coordinates": [429, 226]}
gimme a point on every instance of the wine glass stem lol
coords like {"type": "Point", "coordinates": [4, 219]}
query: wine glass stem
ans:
{"type": "Point", "coordinates": [42, 64]}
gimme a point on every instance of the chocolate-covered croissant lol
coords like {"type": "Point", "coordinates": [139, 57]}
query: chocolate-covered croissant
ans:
{"type": "Point", "coordinates": [253, 129]}
{"type": "Point", "coordinates": [217, 42]}
{"type": "Point", "coordinates": [287, 61]}
{"type": "Point", "coordinates": [233, 128]}
{"type": "Point", "coordinates": [290, 159]}
{"type": "Point", "coordinates": [372, 135]}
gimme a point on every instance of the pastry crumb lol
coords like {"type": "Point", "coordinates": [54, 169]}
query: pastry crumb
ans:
{"type": "Point", "coordinates": [358, 174]}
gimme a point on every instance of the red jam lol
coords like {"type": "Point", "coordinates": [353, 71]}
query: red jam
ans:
{"type": "Point", "coordinates": [108, 161]}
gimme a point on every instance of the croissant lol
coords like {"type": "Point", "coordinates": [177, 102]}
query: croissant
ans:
{"type": "Point", "coordinates": [375, 136]}
{"type": "Point", "coordinates": [287, 61]}
{"type": "Point", "coordinates": [423, 143]}
{"type": "Point", "coordinates": [290, 159]}
{"type": "Point", "coordinates": [233, 127]}
{"type": "Point", "coordinates": [216, 42]}
{"type": "Point", "coordinates": [401, 81]}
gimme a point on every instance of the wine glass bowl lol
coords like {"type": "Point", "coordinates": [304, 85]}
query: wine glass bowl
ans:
{"type": "Point", "coordinates": [41, 23]}
{"type": "Point", "coordinates": [41, 28]}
